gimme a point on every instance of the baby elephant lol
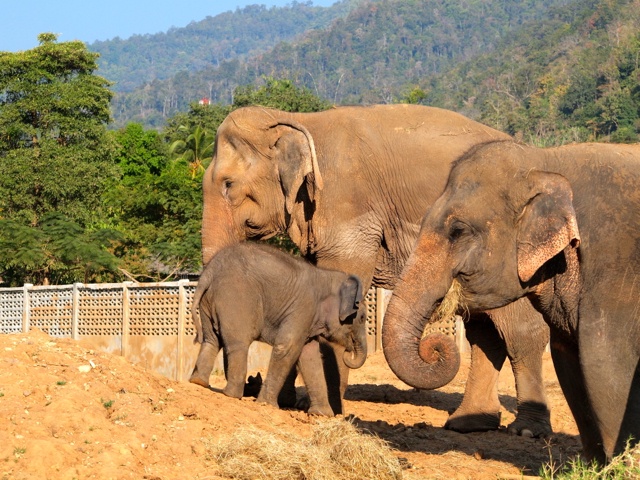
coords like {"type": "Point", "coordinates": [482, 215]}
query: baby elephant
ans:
{"type": "Point", "coordinates": [249, 292]}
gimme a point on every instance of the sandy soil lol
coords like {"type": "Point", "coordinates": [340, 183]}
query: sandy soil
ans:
{"type": "Point", "coordinates": [68, 411]}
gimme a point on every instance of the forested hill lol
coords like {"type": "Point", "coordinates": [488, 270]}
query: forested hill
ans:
{"type": "Point", "coordinates": [381, 48]}
{"type": "Point", "coordinates": [573, 77]}
{"type": "Point", "coordinates": [201, 44]}
{"type": "Point", "coordinates": [555, 70]}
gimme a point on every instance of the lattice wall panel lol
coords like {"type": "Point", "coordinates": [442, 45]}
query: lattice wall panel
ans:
{"type": "Point", "coordinates": [370, 301]}
{"type": "Point", "coordinates": [11, 305]}
{"type": "Point", "coordinates": [153, 311]}
{"type": "Point", "coordinates": [447, 327]}
{"type": "Point", "coordinates": [189, 328]}
{"type": "Point", "coordinates": [100, 311]}
{"type": "Point", "coordinates": [51, 311]}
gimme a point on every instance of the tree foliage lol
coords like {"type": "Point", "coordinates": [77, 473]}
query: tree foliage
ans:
{"type": "Point", "coordinates": [575, 77]}
{"type": "Point", "coordinates": [55, 157]}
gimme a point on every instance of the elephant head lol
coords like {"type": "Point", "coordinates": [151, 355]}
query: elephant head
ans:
{"type": "Point", "coordinates": [264, 163]}
{"type": "Point", "coordinates": [345, 321]}
{"type": "Point", "coordinates": [498, 222]}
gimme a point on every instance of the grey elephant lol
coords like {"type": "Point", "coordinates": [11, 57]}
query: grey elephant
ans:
{"type": "Point", "coordinates": [251, 292]}
{"type": "Point", "coordinates": [350, 186]}
{"type": "Point", "coordinates": [560, 226]}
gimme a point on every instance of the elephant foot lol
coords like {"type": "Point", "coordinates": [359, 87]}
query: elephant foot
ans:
{"type": "Point", "coordinates": [263, 398]}
{"type": "Point", "coordinates": [199, 379]}
{"type": "Point", "coordinates": [233, 391]}
{"type": "Point", "coordinates": [473, 422]}
{"type": "Point", "coordinates": [204, 364]}
{"type": "Point", "coordinates": [324, 410]}
{"type": "Point", "coordinates": [533, 420]}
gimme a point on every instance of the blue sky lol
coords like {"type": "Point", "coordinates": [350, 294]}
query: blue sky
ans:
{"type": "Point", "coordinates": [89, 20]}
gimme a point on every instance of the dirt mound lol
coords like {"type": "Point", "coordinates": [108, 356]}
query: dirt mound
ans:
{"type": "Point", "coordinates": [70, 411]}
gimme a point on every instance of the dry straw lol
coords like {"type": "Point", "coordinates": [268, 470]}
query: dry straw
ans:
{"type": "Point", "coordinates": [336, 450]}
{"type": "Point", "coordinates": [453, 303]}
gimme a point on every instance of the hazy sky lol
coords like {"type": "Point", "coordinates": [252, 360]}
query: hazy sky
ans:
{"type": "Point", "coordinates": [89, 20]}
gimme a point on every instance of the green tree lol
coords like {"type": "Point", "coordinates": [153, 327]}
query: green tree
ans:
{"type": "Point", "coordinates": [207, 117]}
{"type": "Point", "coordinates": [156, 205]}
{"type": "Point", "coordinates": [55, 154]}
{"type": "Point", "coordinates": [281, 94]}
{"type": "Point", "coordinates": [196, 149]}
{"type": "Point", "coordinates": [56, 250]}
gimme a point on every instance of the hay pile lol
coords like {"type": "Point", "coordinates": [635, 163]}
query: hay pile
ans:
{"type": "Point", "coordinates": [336, 450]}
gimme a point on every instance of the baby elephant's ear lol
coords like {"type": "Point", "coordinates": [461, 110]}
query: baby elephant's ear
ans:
{"type": "Point", "coordinates": [350, 297]}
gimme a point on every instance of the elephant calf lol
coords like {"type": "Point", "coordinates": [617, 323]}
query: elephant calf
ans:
{"type": "Point", "coordinates": [253, 292]}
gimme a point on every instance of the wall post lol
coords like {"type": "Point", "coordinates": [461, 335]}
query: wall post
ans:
{"type": "Point", "coordinates": [75, 310]}
{"type": "Point", "coordinates": [182, 307]}
{"type": "Point", "coordinates": [26, 311]}
{"type": "Point", "coordinates": [126, 312]}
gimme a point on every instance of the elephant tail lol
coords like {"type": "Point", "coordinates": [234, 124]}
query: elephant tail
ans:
{"type": "Point", "coordinates": [201, 289]}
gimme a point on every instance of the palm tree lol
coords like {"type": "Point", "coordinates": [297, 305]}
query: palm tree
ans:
{"type": "Point", "coordinates": [196, 149]}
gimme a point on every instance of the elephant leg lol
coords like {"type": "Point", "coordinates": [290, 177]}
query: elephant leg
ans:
{"type": "Point", "coordinates": [237, 355]}
{"type": "Point", "coordinates": [312, 371]}
{"type": "Point", "coordinates": [336, 378]}
{"type": "Point", "coordinates": [204, 364]}
{"type": "Point", "coordinates": [480, 407]}
{"type": "Point", "coordinates": [284, 355]}
{"type": "Point", "coordinates": [209, 349]}
{"type": "Point", "coordinates": [526, 335]}
{"type": "Point", "coordinates": [287, 396]}
{"type": "Point", "coordinates": [570, 376]}
{"type": "Point", "coordinates": [336, 374]}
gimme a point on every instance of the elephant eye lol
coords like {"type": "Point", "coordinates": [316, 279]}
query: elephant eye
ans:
{"type": "Point", "coordinates": [458, 229]}
{"type": "Point", "coordinates": [227, 184]}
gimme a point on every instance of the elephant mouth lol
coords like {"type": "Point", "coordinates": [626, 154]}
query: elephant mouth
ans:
{"type": "Point", "coordinates": [446, 308]}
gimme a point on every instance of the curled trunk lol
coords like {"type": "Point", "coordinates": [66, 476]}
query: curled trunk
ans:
{"type": "Point", "coordinates": [434, 360]}
{"type": "Point", "coordinates": [357, 356]}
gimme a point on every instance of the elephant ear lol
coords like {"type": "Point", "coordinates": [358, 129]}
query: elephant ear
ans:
{"type": "Point", "coordinates": [350, 297]}
{"type": "Point", "coordinates": [296, 159]}
{"type": "Point", "coordinates": [547, 224]}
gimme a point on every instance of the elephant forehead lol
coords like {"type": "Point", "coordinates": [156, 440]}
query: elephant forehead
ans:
{"type": "Point", "coordinates": [233, 160]}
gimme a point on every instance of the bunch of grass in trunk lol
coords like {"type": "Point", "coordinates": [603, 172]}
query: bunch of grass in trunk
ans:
{"type": "Point", "coordinates": [336, 450]}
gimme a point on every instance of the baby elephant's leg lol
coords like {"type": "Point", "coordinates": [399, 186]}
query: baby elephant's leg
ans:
{"type": "Point", "coordinates": [204, 363]}
{"type": "Point", "coordinates": [312, 371]}
{"type": "Point", "coordinates": [237, 355]}
{"type": "Point", "coordinates": [284, 355]}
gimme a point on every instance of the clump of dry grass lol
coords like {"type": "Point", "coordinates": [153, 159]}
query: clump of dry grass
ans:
{"type": "Point", "coordinates": [336, 450]}
{"type": "Point", "coordinates": [452, 304]}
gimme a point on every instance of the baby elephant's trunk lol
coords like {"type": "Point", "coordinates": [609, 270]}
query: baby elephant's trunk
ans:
{"type": "Point", "coordinates": [355, 357]}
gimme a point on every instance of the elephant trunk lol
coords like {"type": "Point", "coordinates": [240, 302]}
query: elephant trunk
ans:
{"type": "Point", "coordinates": [357, 356]}
{"type": "Point", "coordinates": [218, 227]}
{"type": "Point", "coordinates": [434, 360]}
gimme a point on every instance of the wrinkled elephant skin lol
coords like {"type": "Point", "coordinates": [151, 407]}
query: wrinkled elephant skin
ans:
{"type": "Point", "coordinates": [561, 227]}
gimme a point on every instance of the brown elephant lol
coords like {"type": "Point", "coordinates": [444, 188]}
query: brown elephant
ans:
{"type": "Point", "coordinates": [251, 292]}
{"type": "Point", "coordinates": [350, 186]}
{"type": "Point", "coordinates": [560, 226]}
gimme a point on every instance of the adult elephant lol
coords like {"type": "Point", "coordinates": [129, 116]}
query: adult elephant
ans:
{"type": "Point", "coordinates": [562, 227]}
{"type": "Point", "coordinates": [350, 186]}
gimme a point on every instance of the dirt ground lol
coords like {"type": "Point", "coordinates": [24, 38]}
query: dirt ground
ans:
{"type": "Point", "coordinates": [68, 411]}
